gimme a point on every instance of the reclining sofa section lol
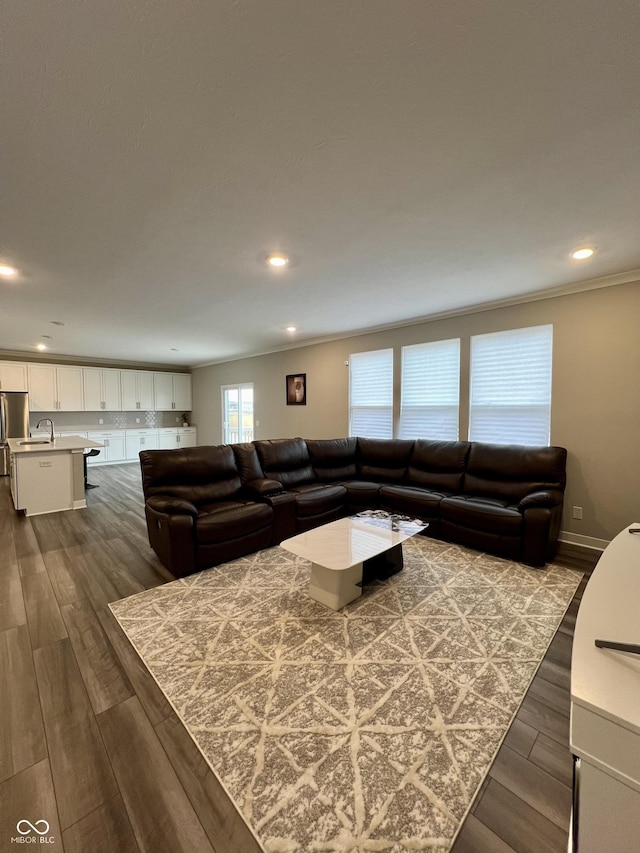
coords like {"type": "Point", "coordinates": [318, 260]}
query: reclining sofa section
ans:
{"type": "Point", "coordinates": [207, 505]}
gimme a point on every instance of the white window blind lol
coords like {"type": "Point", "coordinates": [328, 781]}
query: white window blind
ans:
{"type": "Point", "coordinates": [510, 400]}
{"type": "Point", "coordinates": [430, 390]}
{"type": "Point", "coordinates": [371, 394]}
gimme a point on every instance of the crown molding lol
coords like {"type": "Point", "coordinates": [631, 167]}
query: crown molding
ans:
{"type": "Point", "coordinates": [478, 308]}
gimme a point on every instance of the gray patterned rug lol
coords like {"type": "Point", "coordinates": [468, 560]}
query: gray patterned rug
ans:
{"type": "Point", "coordinates": [369, 729]}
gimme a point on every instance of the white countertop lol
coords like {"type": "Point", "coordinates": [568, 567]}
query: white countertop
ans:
{"type": "Point", "coordinates": [66, 443]}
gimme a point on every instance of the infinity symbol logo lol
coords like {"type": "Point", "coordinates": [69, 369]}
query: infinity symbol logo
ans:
{"type": "Point", "coordinates": [32, 827]}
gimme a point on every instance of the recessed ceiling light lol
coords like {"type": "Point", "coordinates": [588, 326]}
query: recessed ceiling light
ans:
{"type": "Point", "coordinates": [57, 323]}
{"type": "Point", "coordinates": [41, 347]}
{"type": "Point", "coordinates": [174, 349]}
{"type": "Point", "coordinates": [7, 271]}
{"type": "Point", "coordinates": [583, 253]}
{"type": "Point", "coordinates": [291, 328]}
{"type": "Point", "coordinates": [276, 259]}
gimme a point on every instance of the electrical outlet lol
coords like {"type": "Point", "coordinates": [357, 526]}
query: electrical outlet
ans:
{"type": "Point", "coordinates": [577, 512]}
{"type": "Point", "coordinates": [100, 420]}
{"type": "Point", "coordinates": [177, 420]}
{"type": "Point", "coordinates": [137, 420]}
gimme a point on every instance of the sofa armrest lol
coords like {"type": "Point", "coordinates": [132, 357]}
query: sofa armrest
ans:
{"type": "Point", "coordinates": [547, 498]}
{"type": "Point", "coordinates": [171, 505]}
{"type": "Point", "coordinates": [263, 488]}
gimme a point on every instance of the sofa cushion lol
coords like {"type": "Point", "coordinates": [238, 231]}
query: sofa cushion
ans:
{"type": "Point", "coordinates": [286, 460]}
{"type": "Point", "coordinates": [438, 465]}
{"type": "Point", "coordinates": [487, 514]}
{"type": "Point", "coordinates": [333, 458]}
{"type": "Point", "coordinates": [317, 499]}
{"type": "Point", "coordinates": [219, 522]}
{"type": "Point", "coordinates": [197, 474]}
{"type": "Point", "coordinates": [247, 461]}
{"type": "Point", "coordinates": [410, 501]}
{"type": "Point", "coordinates": [361, 494]}
{"type": "Point", "coordinates": [513, 471]}
{"type": "Point", "coordinates": [383, 460]}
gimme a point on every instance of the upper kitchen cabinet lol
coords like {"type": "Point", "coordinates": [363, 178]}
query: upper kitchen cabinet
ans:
{"type": "Point", "coordinates": [13, 376]}
{"type": "Point", "coordinates": [101, 389]}
{"type": "Point", "coordinates": [55, 388]}
{"type": "Point", "coordinates": [137, 390]}
{"type": "Point", "coordinates": [172, 391]}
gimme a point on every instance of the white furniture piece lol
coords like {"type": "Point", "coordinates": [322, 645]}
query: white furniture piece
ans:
{"type": "Point", "coordinates": [139, 439]}
{"type": "Point", "coordinates": [343, 553]}
{"type": "Point", "coordinates": [113, 443]}
{"type": "Point", "coordinates": [54, 388]}
{"type": "Point", "coordinates": [13, 376]}
{"type": "Point", "coordinates": [124, 445]}
{"type": "Point", "coordinates": [605, 704]}
{"type": "Point", "coordinates": [171, 438]}
{"type": "Point", "coordinates": [78, 388]}
{"type": "Point", "coordinates": [102, 391]}
{"type": "Point", "coordinates": [48, 476]}
{"type": "Point", "coordinates": [137, 390]}
{"type": "Point", "coordinates": [172, 391]}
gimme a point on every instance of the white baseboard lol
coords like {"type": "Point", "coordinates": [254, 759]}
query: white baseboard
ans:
{"type": "Point", "coordinates": [583, 541]}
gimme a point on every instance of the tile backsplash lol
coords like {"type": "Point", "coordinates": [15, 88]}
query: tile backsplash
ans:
{"type": "Point", "coordinates": [110, 420]}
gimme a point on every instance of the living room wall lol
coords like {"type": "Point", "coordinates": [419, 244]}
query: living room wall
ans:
{"type": "Point", "coordinates": [595, 402]}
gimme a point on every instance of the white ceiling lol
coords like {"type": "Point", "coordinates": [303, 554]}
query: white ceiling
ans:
{"type": "Point", "coordinates": [413, 158]}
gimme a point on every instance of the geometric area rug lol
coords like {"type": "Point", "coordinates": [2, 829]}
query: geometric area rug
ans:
{"type": "Point", "coordinates": [367, 729]}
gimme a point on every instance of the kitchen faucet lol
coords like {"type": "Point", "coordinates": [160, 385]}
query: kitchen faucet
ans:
{"type": "Point", "coordinates": [44, 421]}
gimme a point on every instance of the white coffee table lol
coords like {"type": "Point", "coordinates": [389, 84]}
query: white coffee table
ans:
{"type": "Point", "coordinates": [348, 553]}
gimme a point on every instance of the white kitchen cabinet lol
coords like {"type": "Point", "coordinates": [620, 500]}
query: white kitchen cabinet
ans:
{"type": "Point", "coordinates": [54, 388]}
{"type": "Point", "coordinates": [43, 396]}
{"type": "Point", "coordinates": [187, 437]}
{"type": "Point", "coordinates": [170, 438]}
{"type": "Point", "coordinates": [182, 391]}
{"type": "Point", "coordinates": [48, 478]}
{"type": "Point", "coordinates": [172, 392]}
{"type": "Point", "coordinates": [163, 391]}
{"type": "Point", "coordinates": [140, 439]}
{"type": "Point", "coordinates": [101, 389]}
{"type": "Point", "coordinates": [137, 390]}
{"type": "Point", "coordinates": [13, 376]}
{"type": "Point", "coordinates": [114, 446]}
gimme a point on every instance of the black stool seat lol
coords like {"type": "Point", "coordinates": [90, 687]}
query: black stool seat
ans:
{"type": "Point", "coordinates": [87, 453]}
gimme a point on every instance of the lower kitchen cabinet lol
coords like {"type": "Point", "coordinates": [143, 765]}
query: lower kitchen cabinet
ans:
{"type": "Point", "coordinates": [171, 438]}
{"type": "Point", "coordinates": [114, 446]}
{"type": "Point", "coordinates": [140, 439]}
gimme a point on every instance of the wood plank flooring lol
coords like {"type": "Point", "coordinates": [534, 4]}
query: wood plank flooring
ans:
{"type": "Point", "coordinates": [89, 744]}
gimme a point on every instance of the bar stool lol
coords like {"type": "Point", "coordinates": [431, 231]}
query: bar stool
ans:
{"type": "Point", "coordinates": [87, 453]}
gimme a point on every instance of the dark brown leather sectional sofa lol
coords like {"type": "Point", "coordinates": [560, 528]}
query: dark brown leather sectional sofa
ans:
{"type": "Point", "coordinates": [207, 505]}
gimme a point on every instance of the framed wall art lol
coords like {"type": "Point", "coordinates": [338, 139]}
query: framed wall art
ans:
{"type": "Point", "coordinates": [297, 389]}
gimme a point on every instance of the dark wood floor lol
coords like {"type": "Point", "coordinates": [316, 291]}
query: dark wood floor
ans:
{"type": "Point", "coordinates": [89, 744]}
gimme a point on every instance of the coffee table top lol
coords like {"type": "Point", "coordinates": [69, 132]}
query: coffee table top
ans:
{"type": "Point", "coordinates": [348, 541]}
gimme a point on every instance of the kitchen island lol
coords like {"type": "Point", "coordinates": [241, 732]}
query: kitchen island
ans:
{"type": "Point", "coordinates": [48, 476]}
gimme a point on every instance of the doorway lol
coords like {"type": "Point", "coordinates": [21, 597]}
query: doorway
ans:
{"type": "Point", "coordinates": [237, 413]}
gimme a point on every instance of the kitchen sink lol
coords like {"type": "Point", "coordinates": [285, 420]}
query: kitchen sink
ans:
{"type": "Point", "coordinates": [35, 441]}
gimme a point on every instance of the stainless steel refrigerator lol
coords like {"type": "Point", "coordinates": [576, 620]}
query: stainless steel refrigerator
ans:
{"type": "Point", "coordinates": [14, 422]}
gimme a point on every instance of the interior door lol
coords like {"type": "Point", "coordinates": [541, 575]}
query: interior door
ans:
{"type": "Point", "coordinates": [237, 413]}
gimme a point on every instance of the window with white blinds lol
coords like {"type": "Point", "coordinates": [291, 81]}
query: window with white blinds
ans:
{"type": "Point", "coordinates": [510, 398]}
{"type": "Point", "coordinates": [430, 390]}
{"type": "Point", "coordinates": [371, 394]}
